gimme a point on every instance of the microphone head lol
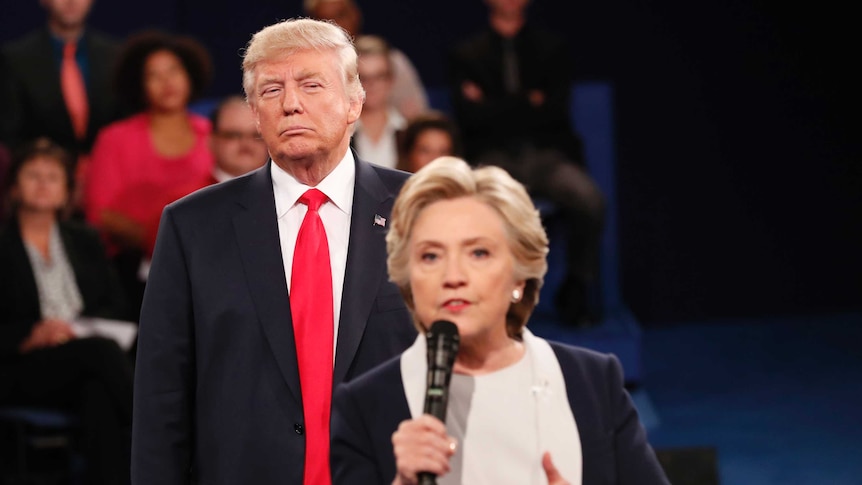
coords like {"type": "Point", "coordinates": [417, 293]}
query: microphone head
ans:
{"type": "Point", "coordinates": [443, 328]}
{"type": "Point", "coordinates": [443, 342]}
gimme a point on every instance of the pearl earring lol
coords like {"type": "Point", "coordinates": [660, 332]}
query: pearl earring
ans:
{"type": "Point", "coordinates": [516, 295]}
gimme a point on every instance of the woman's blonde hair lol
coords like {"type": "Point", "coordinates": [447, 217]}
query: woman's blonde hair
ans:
{"type": "Point", "coordinates": [450, 178]}
{"type": "Point", "coordinates": [286, 37]}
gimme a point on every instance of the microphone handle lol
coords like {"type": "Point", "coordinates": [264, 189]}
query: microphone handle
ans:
{"type": "Point", "coordinates": [436, 406]}
{"type": "Point", "coordinates": [426, 478]}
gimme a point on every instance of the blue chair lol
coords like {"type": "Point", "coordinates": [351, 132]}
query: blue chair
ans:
{"type": "Point", "coordinates": [40, 445]}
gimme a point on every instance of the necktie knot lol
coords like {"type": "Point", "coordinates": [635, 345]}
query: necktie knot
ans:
{"type": "Point", "coordinates": [69, 49]}
{"type": "Point", "coordinates": [313, 198]}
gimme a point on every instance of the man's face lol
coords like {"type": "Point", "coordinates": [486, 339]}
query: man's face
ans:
{"type": "Point", "coordinates": [236, 144]}
{"type": "Point", "coordinates": [302, 109]}
{"type": "Point", "coordinates": [67, 13]}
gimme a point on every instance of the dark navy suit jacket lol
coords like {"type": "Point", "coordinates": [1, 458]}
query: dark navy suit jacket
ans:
{"type": "Point", "coordinates": [217, 395]}
{"type": "Point", "coordinates": [615, 450]}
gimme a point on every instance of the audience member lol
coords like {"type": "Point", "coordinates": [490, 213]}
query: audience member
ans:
{"type": "Point", "coordinates": [58, 80]}
{"type": "Point", "coordinates": [467, 247]}
{"type": "Point", "coordinates": [138, 161]}
{"type": "Point", "coordinates": [236, 145]}
{"type": "Point", "coordinates": [428, 136]}
{"type": "Point", "coordinates": [266, 290]}
{"type": "Point", "coordinates": [54, 272]}
{"type": "Point", "coordinates": [510, 86]}
{"type": "Point", "coordinates": [379, 125]}
{"type": "Point", "coordinates": [407, 94]}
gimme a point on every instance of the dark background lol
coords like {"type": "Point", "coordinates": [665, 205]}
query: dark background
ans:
{"type": "Point", "coordinates": [737, 131]}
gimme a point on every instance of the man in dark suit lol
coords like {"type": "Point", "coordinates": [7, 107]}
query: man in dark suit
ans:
{"type": "Point", "coordinates": [510, 85]}
{"type": "Point", "coordinates": [32, 98]}
{"type": "Point", "coordinates": [224, 379]}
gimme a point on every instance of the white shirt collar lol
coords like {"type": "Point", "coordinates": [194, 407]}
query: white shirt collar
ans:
{"type": "Point", "coordinates": [221, 176]}
{"type": "Point", "coordinates": [337, 186]}
{"type": "Point", "coordinates": [394, 121]}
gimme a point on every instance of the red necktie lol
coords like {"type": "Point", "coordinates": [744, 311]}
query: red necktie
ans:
{"type": "Point", "coordinates": [74, 91]}
{"type": "Point", "coordinates": [311, 308]}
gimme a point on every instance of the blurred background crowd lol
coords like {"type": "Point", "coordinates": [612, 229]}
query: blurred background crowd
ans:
{"type": "Point", "coordinates": [738, 174]}
{"type": "Point", "coordinates": [736, 146]}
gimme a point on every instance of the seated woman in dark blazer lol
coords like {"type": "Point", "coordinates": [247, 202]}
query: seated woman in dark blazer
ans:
{"type": "Point", "coordinates": [52, 273]}
{"type": "Point", "coordinates": [468, 246]}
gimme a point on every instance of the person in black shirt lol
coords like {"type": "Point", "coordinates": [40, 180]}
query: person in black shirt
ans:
{"type": "Point", "coordinates": [510, 88]}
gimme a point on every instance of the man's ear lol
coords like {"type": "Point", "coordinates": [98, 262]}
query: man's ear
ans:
{"type": "Point", "coordinates": [355, 109]}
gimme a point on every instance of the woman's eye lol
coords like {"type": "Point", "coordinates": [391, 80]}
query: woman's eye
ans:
{"type": "Point", "coordinates": [480, 252]}
{"type": "Point", "coordinates": [428, 257]}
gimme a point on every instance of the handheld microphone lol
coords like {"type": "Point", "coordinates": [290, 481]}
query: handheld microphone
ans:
{"type": "Point", "coordinates": [443, 341]}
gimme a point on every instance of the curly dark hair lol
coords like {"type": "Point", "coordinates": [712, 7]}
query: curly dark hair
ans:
{"type": "Point", "coordinates": [129, 73]}
{"type": "Point", "coordinates": [430, 120]}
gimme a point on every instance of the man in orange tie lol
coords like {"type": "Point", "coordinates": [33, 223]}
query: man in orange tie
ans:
{"type": "Point", "coordinates": [268, 290]}
{"type": "Point", "coordinates": [50, 77]}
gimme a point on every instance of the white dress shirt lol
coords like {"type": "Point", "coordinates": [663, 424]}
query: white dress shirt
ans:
{"type": "Point", "coordinates": [335, 214]}
{"type": "Point", "coordinates": [384, 152]}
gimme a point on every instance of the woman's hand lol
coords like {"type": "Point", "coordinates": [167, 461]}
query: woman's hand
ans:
{"type": "Point", "coordinates": [551, 471]}
{"type": "Point", "coordinates": [47, 333]}
{"type": "Point", "coordinates": [421, 445]}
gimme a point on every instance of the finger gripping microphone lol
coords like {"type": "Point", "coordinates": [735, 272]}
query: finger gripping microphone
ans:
{"type": "Point", "coordinates": [443, 341]}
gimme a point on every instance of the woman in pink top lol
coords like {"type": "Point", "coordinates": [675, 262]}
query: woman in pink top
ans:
{"type": "Point", "coordinates": [141, 163]}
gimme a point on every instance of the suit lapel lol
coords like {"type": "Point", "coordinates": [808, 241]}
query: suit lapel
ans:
{"type": "Point", "coordinates": [256, 231]}
{"type": "Point", "coordinates": [366, 264]}
{"type": "Point", "coordinates": [22, 270]}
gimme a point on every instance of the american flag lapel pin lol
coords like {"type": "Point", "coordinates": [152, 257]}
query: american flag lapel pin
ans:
{"type": "Point", "coordinates": [379, 220]}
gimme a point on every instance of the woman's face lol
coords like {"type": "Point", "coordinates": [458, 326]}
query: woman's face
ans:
{"type": "Point", "coordinates": [166, 82]}
{"type": "Point", "coordinates": [462, 269]}
{"type": "Point", "coordinates": [41, 185]}
{"type": "Point", "coordinates": [376, 79]}
{"type": "Point", "coordinates": [430, 144]}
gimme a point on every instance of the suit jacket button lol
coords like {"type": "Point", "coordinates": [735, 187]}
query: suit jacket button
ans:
{"type": "Point", "coordinates": [298, 428]}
